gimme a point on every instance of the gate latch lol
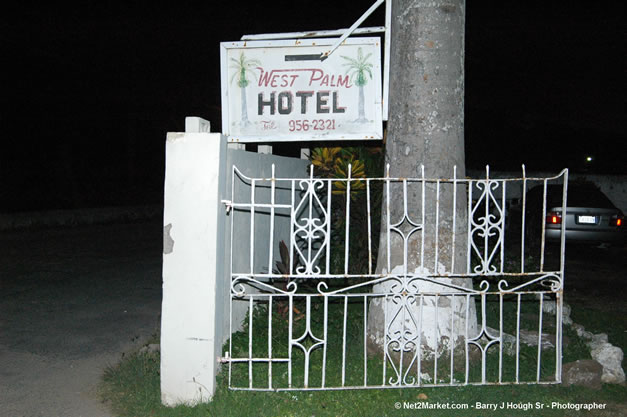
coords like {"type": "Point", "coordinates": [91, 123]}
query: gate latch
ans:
{"type": "Point", "coordinates": [228, 204]}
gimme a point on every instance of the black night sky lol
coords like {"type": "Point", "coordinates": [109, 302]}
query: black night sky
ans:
{"type": "Point", "coordinates": [89, 91]}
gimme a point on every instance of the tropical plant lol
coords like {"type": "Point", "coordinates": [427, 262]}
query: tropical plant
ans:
{"type": "Point", "coordinates": [335, 163]}
{"type": "Point", "coordinates": [243, 66]}
{"type": "Point", "coordinates": [357, 69]}
{"type": "Point", "coordinates": [283, 267]}
{"type": "Point", "coordinates": [323, 160]}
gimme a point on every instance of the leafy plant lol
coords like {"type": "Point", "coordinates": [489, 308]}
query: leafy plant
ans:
{"type": "Point", "coordinates": [335, 163]}
{"type": "Point", "coordinates": [283, 267]}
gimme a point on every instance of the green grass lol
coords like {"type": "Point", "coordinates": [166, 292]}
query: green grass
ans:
{"type": "Point", "coordinates": [132, 386]}
{"type": "Point", "coordinates": [134, 391]}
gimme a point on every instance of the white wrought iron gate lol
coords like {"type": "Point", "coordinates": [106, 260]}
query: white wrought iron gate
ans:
{"type": "Point", "coordinates": [470, 291]}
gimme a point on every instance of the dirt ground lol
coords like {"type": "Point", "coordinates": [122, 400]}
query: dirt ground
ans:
{"type": "Point", "coordinates": [596, 277]}
{"type": "Point", "coordinates": [71, 302]}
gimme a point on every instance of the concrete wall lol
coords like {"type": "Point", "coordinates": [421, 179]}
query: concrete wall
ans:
{"type": "Point", "coordinates": [196, 267]}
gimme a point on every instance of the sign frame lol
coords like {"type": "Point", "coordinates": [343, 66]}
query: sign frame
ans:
{"type": "Point", "coordinates": [303, 59]}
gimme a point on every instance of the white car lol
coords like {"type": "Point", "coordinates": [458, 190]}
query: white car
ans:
{"type": "Point", "coordinates": [590, 216]}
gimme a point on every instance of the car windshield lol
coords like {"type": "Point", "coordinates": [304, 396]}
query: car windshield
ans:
{"type": "Point", "coordinates": [587, 197]}
{"type": "Point", "coordinates": [578, 196]}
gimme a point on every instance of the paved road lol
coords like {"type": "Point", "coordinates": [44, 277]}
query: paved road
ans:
{"type": "Point", "coordinates": [71, 301]}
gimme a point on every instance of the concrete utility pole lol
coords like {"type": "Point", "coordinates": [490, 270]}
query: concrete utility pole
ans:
{"type": "Point", "coordinates": [426, 126]}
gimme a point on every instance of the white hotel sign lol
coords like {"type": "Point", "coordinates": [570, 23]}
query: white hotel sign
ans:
{"type": "Point", "coordinates": [276, 91]}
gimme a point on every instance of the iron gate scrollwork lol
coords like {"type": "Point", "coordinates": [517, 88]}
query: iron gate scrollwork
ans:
{"type": "Point", "coordinates": [461, 298]}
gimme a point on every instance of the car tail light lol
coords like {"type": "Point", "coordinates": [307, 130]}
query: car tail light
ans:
{"type": "Point", "coordinates": [617, 220]}
{"type": "Point", "coordinates": [554, 218]}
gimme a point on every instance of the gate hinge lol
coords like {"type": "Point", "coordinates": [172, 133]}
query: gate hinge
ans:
{"type": "Point", "coordinates": [228, 204]}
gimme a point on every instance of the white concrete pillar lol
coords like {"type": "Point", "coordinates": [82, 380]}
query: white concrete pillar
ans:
{"type": "Point", "coordinates": [197, 125]}
{"type": "Point", "coordinates": [193, 264]}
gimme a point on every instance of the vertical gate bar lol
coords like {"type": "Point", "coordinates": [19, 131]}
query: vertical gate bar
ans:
{"type": "Point", "coordinates": [230, 352]}
{"type": "Point", "coordinates": [483, 349]}
{"type": "Point", "coordinates": [563, 234]}
{"type": "Point", "coordinates": [405, 211]}
{"type": "Point", "coordinates": [469, 230]}
{"type": "Point", "coordinates": [558, 337]}
{"type": "Point", "coordinates": [232, 219]}
{"type": "Point", "coordinates": [369, 227]}
{"type": "Point", "coordinates": [231, 278]}
{"type": "Point", "coordinates": [422, 214]}
{"type": "Point", "coordinates": [503, 222]}
{"type": "Point", "coordinates": [250, 342]}
{"type": "Point", "coordinates": [518, 339]}
{"type": "Point", "coordinates": [419, 347]}
{"type": "Point", "coordinates": [559, 300]}
{"type": "Point", "coordinates": [483, 364]}
{"type": "Point", "coordinates": [270, 341]}
{"type": "Point", "coordinates": [307, 330]}
{"type": "Point", "coordinates": [365, 340]}
{"type": "Point", "coordinates": [437, 225]}
{"type": "Point", "coordinates": [437, 333]}
{"type": "Point", "coordinates": [500, 337]}
{"type": "Point", "coordinates": [540, 337]}
{"type": "Point", "coordinates": [272, 201]}
{"type": "Point", "coordinates": [405, 238]}
{"type": "Point", "coordinates": [290, 342]}
{"type": "Point", "coordinates": [388, 221]}
{"type": "Point", "coordinates": [402, 346]}
{"type": "Point", "coordinates": [466, 337]}
{"type": "Point", "coordinates": [252, 227]}
{"type": "Point", "coordinates": [452, 339]}
{"type": "Point", "coordinates": [486, 224]}
{"type": "Point", "coordinates": [328, 219]}
{"type": "Point", "coordinates": [454, 218]}
{"type": "Point", "coordinates": [326, 339]}
{"type": "Point", "coordinates": [344, 341]}
{"type": "Point", "coordinates": [522, 232]}
{"type": "Point", "coordinates": [385, 335]}
{"type": "Point", "coordinates": [348, 220]}
{"type": "Point", "coordinates": [543, 219]}
{"type": "Point", "coordinates": [311, 192]}
{"type": "Point", "coordinates": [292, 234]}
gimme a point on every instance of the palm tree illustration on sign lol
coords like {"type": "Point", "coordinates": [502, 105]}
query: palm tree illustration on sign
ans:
{"type": "Point", "coordinates": [358, 68]}
{"type": "Point", "coordinates": [242, 67]}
